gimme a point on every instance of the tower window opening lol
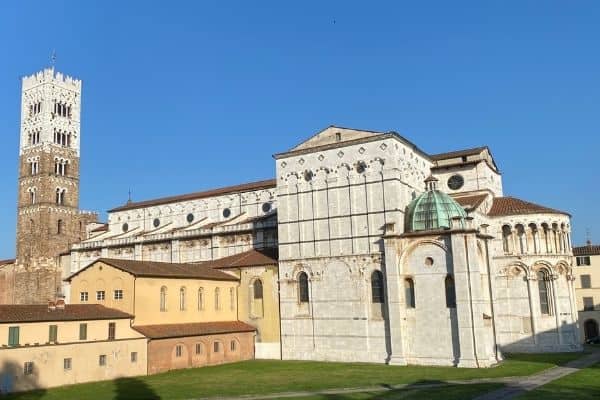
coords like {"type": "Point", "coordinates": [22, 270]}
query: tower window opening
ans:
{"type": "Point", "coordinates": [59, 226]}
{"type": "Point", "coordinates": [60, 196]}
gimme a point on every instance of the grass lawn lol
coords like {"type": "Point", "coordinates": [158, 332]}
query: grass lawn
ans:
{"type": "Point", "coordinates": [584, 385]}
{"type": "Point", "coordinates": [454, 392]}
{"type": "Point", "coordinates": [263, 377]}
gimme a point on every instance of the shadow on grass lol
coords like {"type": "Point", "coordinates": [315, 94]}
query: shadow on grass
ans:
{"type": "Point", "coordinates": [133, 389]}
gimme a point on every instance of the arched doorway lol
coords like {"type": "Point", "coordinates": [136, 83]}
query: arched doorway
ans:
{"type": "Point", "coordinates": [590, 328]}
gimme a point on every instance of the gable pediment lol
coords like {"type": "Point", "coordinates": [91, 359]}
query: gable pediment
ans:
{"type": "Point", "coordinates": [332, 135]}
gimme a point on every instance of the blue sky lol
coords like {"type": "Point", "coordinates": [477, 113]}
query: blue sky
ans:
{"type": "Point", "coordinates": [183, 96]}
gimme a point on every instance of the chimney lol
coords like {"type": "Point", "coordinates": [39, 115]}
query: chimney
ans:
{"type": "Point", "coordinates": [60, 304]}
{"type": "Point", "coordinates": [51, 305]}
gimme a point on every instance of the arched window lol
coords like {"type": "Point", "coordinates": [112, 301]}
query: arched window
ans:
{"type": "Point", "coordinates": [450, 292]}
{"type": "Point", "coordinates": [409, 292]}
{"type": "Point", "coordinates": [377, 295]}
{"type": "Point", "coordinates": [200, 299]}
{"type": "Point", "coordinates": [163, 298]}
{"type": "Point", "coordinates": [534, 237]}
{"type": "Point", "coordinates": [217, 304]}
{"type": "Point", "coordinates": [59, 226]}
{"type": "Point", "coordinates": [555, 237]}
{"type": "Point", "coordinates": [546, 230]}
{"type": "Point", "coordinates": [257, 289]}
{"type": "Point", "coordinates": [543, 291]}
{"type": "Point", "coordinates": [232, 299]}
{"type": "Point", "coordinates": [506, 238]}
{"type": "Point", "coordinates": [522, 239]}
{"type": "Point", "coordinates": [303, 287]}
{"type": "Point", "coordinates": [182, 298]}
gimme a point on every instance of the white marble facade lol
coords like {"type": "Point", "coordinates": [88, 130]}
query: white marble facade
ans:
{"type": "Point", "coordinates": [354, 284]}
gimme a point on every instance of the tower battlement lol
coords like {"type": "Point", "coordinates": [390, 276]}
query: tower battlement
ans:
{"type": "Point", "coordinates": [49, 75]}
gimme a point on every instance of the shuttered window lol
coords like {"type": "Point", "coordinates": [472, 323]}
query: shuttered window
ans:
{"type": "Point", "coordinates": [52, 333]}
{"type": "Point", "coordinates": [13, 336]}
{"type": "Point", "coordinates": [82, 331]}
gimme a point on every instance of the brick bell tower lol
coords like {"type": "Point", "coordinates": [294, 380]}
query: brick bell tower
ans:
{"type": "Point", "coordinates": [48, 216]}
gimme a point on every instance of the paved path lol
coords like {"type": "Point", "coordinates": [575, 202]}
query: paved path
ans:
{"type": "Point", "coordinates": [518, 386]}
{"type": "Point", "coordinates": [514, 385]}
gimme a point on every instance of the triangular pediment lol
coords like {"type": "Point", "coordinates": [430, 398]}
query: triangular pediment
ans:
{"type": "Point", "coordinates": [334, 134]}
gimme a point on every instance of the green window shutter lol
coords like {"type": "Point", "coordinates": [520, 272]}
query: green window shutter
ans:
{"type": "Point", "coordinates": [13, 336]}
{"type": "Point", "coordinates": [52, 333]}
{"type": "Point", "coordinates": [82, 331]}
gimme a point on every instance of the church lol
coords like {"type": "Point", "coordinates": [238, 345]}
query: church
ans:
{"type": "Point", "coordinates": [363, 247]}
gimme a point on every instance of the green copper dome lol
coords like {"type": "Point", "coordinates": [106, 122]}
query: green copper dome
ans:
{"type": "Point", "coordinates": [432, 210]}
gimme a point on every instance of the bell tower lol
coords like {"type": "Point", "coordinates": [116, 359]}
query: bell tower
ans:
{"type": "Point", "coordinates": [48, 216]}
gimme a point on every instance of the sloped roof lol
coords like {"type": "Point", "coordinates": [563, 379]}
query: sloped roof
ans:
{"type": "Point", "coordinates": [512, 206]}
{"type": "Point", "coordinates": [245, 187]}
{"type": "Point", "coordinates": [153, 269]}
{"type": "Point", "coordinates": [250, 258]}
{"type": "Point", "coordinates": [72, 312]}
{"type": "Point", "coordinates": [459, 153]}
{"type": "Point", "coordinates": [471, 202]}
{"type": "Point", "coordinates": [101, 228]}
{"type": "Point", "coordinates": [588, 250]}
{"type": "Point", "coordinates": [164, 331]}
{"type": "Point", "coordinates": [6, 262]}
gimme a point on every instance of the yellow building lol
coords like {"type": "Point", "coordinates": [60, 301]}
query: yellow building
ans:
{"type": "Point", "coordinates": [587, 289]}
{"type": "Point", "coordinates": [188, 312]}
{"type": "Point", "coordinates": [45, 346]}
{"type": "Point", "coordinates": [258, 296]}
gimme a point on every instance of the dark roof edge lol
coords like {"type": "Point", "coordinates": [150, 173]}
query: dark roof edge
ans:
{"type": "Point", "coordinates": [240, 188]}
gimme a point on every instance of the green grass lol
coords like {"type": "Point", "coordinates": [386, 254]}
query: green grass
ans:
{"type": "Point", "coordinates": [584, 385]}
{"type": "Point", "coordinates": [263, 377]}
{"type": "Point", "coordinates": [452, 392]}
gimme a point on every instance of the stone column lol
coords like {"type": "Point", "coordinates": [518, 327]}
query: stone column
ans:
{"type": "Point", "coordinates": [395, 304]}
{"type": "Point", "coordinates": [532, 308]}
{"type": "Point", "coordinates": [175, 251]}
{"type": "Point", "coordinates": [554, 285]}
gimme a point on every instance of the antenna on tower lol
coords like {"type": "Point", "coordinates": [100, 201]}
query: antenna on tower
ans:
{"type": "Point", "coordinates": [129, 197]}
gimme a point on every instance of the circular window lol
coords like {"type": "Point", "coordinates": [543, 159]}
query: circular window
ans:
{"type": "Point", "coordinates": [266, 207]}
{"type": "Point", "coordinates": [429, 261]}
{"type": "Point", "coordinates": [308, 175]}
{"type": "Point", "coordinates": [125, 227]}
{"type": "Point", "coordinates": [190, 218]}
{"type": "Point", "coordinates": [361, 167]}
{"type": "Point", "coordinates": [455, 182]}
{"type": "Point", "coordinates": [156, 222]}
{"type": "Point", "coordinates": [226, 212]}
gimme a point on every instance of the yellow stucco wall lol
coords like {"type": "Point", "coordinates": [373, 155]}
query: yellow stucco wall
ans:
{"type": "Point", "coordinates": [147, 300]}
{"type": "Point", "coordinates": [67, 331]}
{"type": "Point", "coordinates": [48, 363]}
{"type": "Point", "coordinates": [141, 296]}
{"type": "Point", "coordinates": [594, 271]}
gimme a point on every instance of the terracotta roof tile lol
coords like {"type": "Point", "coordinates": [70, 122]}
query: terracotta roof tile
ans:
{"type": "Point", "coordinates": [72, 312]}
{"type": "Point", "coordinates": [588, 250]}
{"type": "Point", "coordinates": [101, 228]}
{"type": "Point", "coordinates": [250, 258]}
{"type": "Point", "coordinates": [512, 206]}
{"type": "Point", "coordinates": [155, 269]}
{"type": "Point", "coordinates": [6, 262]}
{"type": "Point", "coordinates": [471, 202]}
{"type": "Point", "coordinates": [164, 331]}
{"type": "Point", "coordinates": [246, 187]}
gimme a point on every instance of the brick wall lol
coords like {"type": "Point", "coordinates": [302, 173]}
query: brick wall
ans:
{"type": "Point", "coordinates": [162, 353]}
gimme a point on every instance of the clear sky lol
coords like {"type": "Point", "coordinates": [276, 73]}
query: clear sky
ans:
{"type": "Point", "coordinates": [185, 96]}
